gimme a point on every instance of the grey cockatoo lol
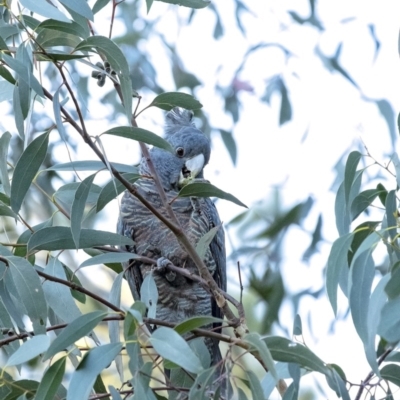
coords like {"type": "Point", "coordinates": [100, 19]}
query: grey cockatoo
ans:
{"type": "Point", "coordinates": [179, 298]}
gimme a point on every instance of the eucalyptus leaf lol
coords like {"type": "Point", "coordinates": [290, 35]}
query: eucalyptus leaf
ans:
{"type": "Point", "coordinates": [60, 238]}
{"type": "Point", "coordinates": [92, 165]}
{"type": "Point", "coordinates": [149, 295]}
{"type": "Point", "coordinates": [26, 169]}
{"type": "Point", "coordinates": [30, 349]}
{"type": "Point", "coordinates": [202, 189]}
{"type": "Point", "coordinates": [167, 101]}
{"type": "Point", "coordinates": [51, 381]}
{"type": "Point", "coordinates": [44, 9]}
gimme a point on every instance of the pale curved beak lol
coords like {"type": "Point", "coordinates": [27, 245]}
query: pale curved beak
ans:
{"type": "Point", "coordinates": [191, 169]}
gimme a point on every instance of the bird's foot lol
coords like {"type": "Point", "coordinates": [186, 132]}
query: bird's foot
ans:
{"type": "Point", "coordinates": [162, 264]}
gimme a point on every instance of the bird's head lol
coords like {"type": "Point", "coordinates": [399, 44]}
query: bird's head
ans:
{"type": "Point", "coordinates": [191, 151]}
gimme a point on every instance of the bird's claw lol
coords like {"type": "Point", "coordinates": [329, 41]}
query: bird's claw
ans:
{"type": "Point", "coordinates": [162, 264]}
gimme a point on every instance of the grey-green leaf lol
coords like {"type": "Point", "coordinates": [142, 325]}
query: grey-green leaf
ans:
{"type": "Point", "coordinates": [204, 242]}
{"type": "Point", "coordinates": [30, 349]}
{"type": "Point", "coordinates": [91, 365]}
{"type": "Point", "coordinates": [51, 381]}
{"type": "Point", "coordinates": [195, 322]}
{"type": "Point", "coordinates": [26, 169]}
{"type": "Point", "coordinates": [202, 189]}
{"type": "Point", "coordinates": [109, 258]}
{"type": "Point", "coordinates": [60, 238]}
{"type": "Point", "coordinates": [78, 208]}
{"type": "Point", "coordinates": [30, 291]}
{"type": "Point", "coordinates": [80, 7]}
{"type": "Point", "coordinates": [113, 188]}
{"type": "Point", "coordinates": [44, 9]}
{"type": "Point", "coordinates": [141, 135]}
{"type": "Point", "coordinates": [5, 180]}
{"type": "Point", "coordinates": [167, 101]}
{"type": "Point", "coordinates": [149, 295]}
{"type": "Point", "coordinates": [188, 3]}
{"type": "Point", "coordinates": [254, 340]}
{"type": "Point", "coordinates": [78, 328]}
{"type": "Point", "coordinates": [91, 165]}
{"type": "Point", "coordinates": [171, 346]}
{"type": "Point", "coordinates": [391, 372]}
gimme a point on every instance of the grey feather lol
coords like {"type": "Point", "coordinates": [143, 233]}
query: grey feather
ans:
{"type": "Point", "coordinates": [179, 297]}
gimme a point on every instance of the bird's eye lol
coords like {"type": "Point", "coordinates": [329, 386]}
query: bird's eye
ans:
{"type": "Point", "coordinates": [180, 152]}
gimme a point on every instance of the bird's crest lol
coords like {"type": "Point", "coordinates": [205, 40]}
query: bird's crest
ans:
{"type": "Point", "coordinates": [176, 119]}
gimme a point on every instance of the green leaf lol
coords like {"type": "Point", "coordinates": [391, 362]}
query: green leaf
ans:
{"type": "Point", "coordinates": [391, 372]}
{"type": "Point", "coordinates": [109, 258]}
{"type": "Point", "coordinates": [141, 135]}
{"type": "Point", "coordinates": [118, 63]}
{"type": "Point", "coordinates": [44, 9]}
{"type": "Point", "coordinates": [78, 328]}
{"type": "Point", "coordinates": [113, 188]}
{"type": "Point", "coordinates": [202, 383]}
{"type": "Point", "coordinates": [91, 165]}
{"type": "Point", "coordinates": [361, 232]}
{"type": "Point", "coordinates": [60, 238]}
{"type": "Point", "coordinates": [80, 7]}
{"type": "Point", "coordinates": [78, 207]}
{"type": "Point", "coordinates": [393, 286]}
{"type": "Point", "coordinates": [57, 114]}
{"type": "Point", "coordinates": [24, 72]}
{"type": "Point", "coordinates": [361, 275]}
{"type": "Point", "coordinates": [254, 340]}
{"type": "Point", "coordinates": [149, 295]}
{"type": "Point", "coordinates": [51, 381]}
{"type": "Point", "coordinates": [5, 73]}
{"type": "Point", "coordinates": [7, 212]}
{"type": "Point", "coordinates": [26, 169]}
{"type": "Point", "coordinates": [382, 193]}
{"type": "Point", "coordinates": [72, 28]}
{"type": "Point", "coordinates": [188, 3]}
{"type": "Point", "coordinates": [49, 38]}
{"type": "Point", "coordinates": [30, 349]}
{"type": "Point", "coordinates": [297, 326]}
{"type": "Point", "coordinates": [285, 350]}
{"type": "Point", "coordinates": [255, 387]}
{"type": "Point", "coordinates": [336, 261]}
{"type": "Point", "coordinates": [5, 180]}
{"type": "Point", "coordinates": [149, 3]}
{"type": "Point", "coordinates": [171, 346]}
{"type": "Point", "coordinates": [389, 323]}
{"type": "Point", "coordinates": [59, 296]}
{"type": "Point", "coordinates": [195, 322]}
{"type": "Point", "coordinates": [204, 242]}
{"type": "Point", "coordinates": [92, 364]}
{"type": "Point", "coordinates": [202, 189]}
{"type": "Point", "coordinates": [350, 171]}
{"type": "Point", "coordinates": [99, 5]}
{"type": "Point", "coordinates": [362, 201]}
{"type": "Point", "coordinates": [30, 291]}
{"type": "Point", "coordinates": [230, 144]}
{"type": "Point", "coordinates": [167, 101]}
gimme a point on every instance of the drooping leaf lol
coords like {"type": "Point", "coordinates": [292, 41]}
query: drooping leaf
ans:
{"type": "Point", "coordinates": [203, 382]}
{"type": "Point", "coordinates": [167, 101]}
{"type": "Point", "coordinates": [230, 144]}
{"type": "Point", "coordinates": [51, 381]}
{"type": "Point", "coordinates": [30, 349]}
{"type": "Point", "coordinates": [60, 237]}
{"type": "Point", "coordinates": [26, 169]}
{"type": "Point", "coordinates": [5, 180]}
{"type": "Point", "coordinates": [285, 350]}
{"type": "Point", "coordinates": [113, 188]}
{"type": "Point", "coordinates": [393, 286]}
{"type": "Point", "coordinates": [391, 372]}
{"type": "Point", "coordinates": [140, 135]}
{"type": "Point", "coordinates": [59, 296]}
{"type": "Point", "coordinates": [30, 291]}
{"type": "Point", "coordinates": [78, 328]}
{"type": "Point", "coordinates": [78, 207]}
{"type": "Point", "coordinates": [91, 165]}
{"type": "Point", "coordinates": [362, 201]}
{"type": "Point", "coordinates": [71, 27]}
{"type": "Point", "coordinates": [24, 72]}
{"type": "Point", "coordinates": [336, 261]}
{"type": "Point", "coordinates": [195, 322]}
{"type": "Point", "coordinates": [204, 242]}
{"type": "Point", "coordinates": [57, 115]}
{"type": "Point", "coordinates": [91, 365]}
{"type": "Point", "coordinates": [389, 323]}
{"type": "Point", "coordinates": [350, 172]}
{"type": "Point", "coordinates": [202, 189]}
{"type": "Point", "coordinates": [256, 343]}
{"type": "Point", "coordinates": [255, 386]}
{"type": "Point", "coordinates": [149, 295]}
{"type": "Point", "coordinates": [109, 258]}
{"type": "Point", "coordinates": [171, 346]}
{"type": "Point", "coordinates": [44, 9]}
{"type": "Point", "coordinates": [188, 3]}
{"type": "Point", "coordinates": [80, 7]}
{"type": "Point", "coordinates": [99, 5]}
